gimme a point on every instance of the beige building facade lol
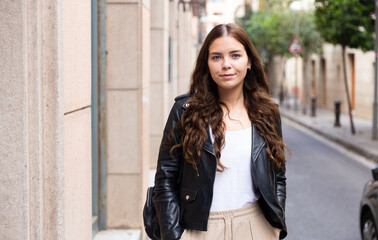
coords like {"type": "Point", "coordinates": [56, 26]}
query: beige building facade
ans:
{"type": "Point", "coordinates": [324, 79]}
{"type": "Point", "coordinates": [86, 87]}
{"type": "Point", "coordinates": [328, 79]}
{"type": "Point", "coordinates": [45, 130]}
{"type": "Point", "coordinates": [225, 11]}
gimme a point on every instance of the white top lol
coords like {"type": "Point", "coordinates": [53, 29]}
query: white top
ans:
{"type": "Point", "coordinates": [234, 188]}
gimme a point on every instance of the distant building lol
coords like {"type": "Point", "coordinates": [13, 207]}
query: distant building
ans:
{"type": "Point", "coordinates": [324, 78]}
{"type": "Point", "coordinates": [225, 11]}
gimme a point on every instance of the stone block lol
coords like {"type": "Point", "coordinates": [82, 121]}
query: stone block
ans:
{"type": "Point", "coordinates": [77, 174]}
{"type": "Point", "coordinates": [157, 115]}
{"type": "Point", "coordinates": [159, 56]}
{"type": "Point", "coordinates": [145, 48]}
{"type": "Point", "coordinates": [159, 14]}
{"type": "Point", "coordinates": [146, 3]}
{"type": "Point", "coordinates": [123, 131]}
{"type": "Point", "coordinates": [14, 164]}
{"type": "Point", "coordinates": [123, 46]}
{"type": "Point", "coordinates": [155, 145]}
{"type": "Point", "coordinates": [76, 54]}
{"type": "Point", "coordinates": [124, 201]}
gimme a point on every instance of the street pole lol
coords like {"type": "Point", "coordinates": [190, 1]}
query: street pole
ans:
{"type": "Point", "coordinates": [296, 83]}
{"type": "Point", "coordinates": [296, 63]}
{"type": "Point", "coordinates": [375, 104]}
{"type": "Point", "coordinates": [296, 6]}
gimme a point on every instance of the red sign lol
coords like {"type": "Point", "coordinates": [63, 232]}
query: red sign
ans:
{"type": "Point", "coordinates": [295, 46]}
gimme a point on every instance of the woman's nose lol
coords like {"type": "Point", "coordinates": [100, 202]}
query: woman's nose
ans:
{"type": "Point", "coordinates": [226, 63]}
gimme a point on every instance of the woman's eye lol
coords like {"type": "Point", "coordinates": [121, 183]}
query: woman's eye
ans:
{"type": "Point", "coordinates": [235, 55]}
{"type": "Point", "coordinates": [216, 57]}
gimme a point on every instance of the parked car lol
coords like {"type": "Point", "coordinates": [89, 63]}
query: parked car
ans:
{"type": "Point", "coordinates": [369, 208]}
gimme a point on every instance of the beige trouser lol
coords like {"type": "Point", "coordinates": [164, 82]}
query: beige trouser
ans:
{"type": "Point", "coordinates": [246, 223]}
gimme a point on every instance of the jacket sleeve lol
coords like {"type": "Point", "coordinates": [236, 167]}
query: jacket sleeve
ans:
{"type": "Point", "coordinates": [281, 187]}
{"type": "Point", "coordinates": [281, 177]}
{"type": "Point", "coordinates": [165, 197]}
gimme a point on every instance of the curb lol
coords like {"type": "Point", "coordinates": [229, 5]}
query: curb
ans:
{"type": "Point", "coordinates": [353, 147]}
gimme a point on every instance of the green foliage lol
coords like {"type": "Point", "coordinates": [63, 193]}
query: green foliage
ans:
{"type": "Point", "coordinates": [346, 22]}
{"type": "Point", "coordinates": [310, 38]}
{"type": "Point", "coordinates": [268, 33]}
{"type": "Point", "coordinates": [272, 33]}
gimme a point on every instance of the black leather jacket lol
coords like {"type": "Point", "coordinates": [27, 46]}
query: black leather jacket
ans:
{"type": "Point", "coordinates": [183, 201]}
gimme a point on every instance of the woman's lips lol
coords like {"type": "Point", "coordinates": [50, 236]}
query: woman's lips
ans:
{"type": "Point", "coordinates": [227, 75]}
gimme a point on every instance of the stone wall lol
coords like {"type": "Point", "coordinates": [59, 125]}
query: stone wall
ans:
{"type": "Point", "coordinates": [45, 120]}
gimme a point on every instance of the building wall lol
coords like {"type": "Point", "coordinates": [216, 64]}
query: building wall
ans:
{"type": "Point", "coordinates": [334, 80]}
{"type": "Point", "coordinates": [76, 58]}
{"type": "Point", "coordinates": [276, 75]}
{"type": "Point", "coordinates": [159, 40]}
{"type": "Point", "coordinates": [173, 34]}
{"type": "Point", "coordinates": [139, 96]}
{"type": "Point", "coordinates": [174, 41]}
{"type": "Point", "coordinates": [224, 11]}
{"type": "Point", "coordinates": [127, 111]}
{"type": "Point", "coordinates": [364, 92]}
{"type": "Point", "coordinates": [325, 79]}
{"type": "Point", "coordinates": [184, 63]}
{"type": "Point", "coordinates": [45, 120]}
{"type": "Point", "coordinates": [14, 143]}
{"type": "Point", "coordinates": [45, 105]}
{"type": "Point", "coordinates": [293, 80]}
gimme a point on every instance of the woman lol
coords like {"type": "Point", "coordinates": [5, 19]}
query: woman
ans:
{"type": "Point", "coordinates": [221, 165]}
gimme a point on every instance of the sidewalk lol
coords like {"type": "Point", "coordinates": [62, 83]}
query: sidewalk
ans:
{"type": "Point", "coordinates": [323, 124]}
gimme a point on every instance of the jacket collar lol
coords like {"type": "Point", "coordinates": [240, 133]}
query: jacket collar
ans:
{"type": "Point", "coordinates": [258, 142]}
{"type": "Point", "coordinates": [208, 145]}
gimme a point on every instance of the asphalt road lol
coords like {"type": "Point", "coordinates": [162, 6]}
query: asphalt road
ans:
{"type": "Point", "coordinates": [324, 188]}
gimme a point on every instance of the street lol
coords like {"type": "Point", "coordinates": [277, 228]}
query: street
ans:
{"type": "Point", "coordinates": [324, 189]}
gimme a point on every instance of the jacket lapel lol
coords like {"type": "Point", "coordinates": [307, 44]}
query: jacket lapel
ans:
{"type": "Point", "coordinates": [208, 145]}
{"type": "Point", "coordinates": [258, 143]}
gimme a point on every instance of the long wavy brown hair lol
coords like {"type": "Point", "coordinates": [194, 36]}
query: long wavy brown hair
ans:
{"type": "Point", "coordinates": [204, 107]}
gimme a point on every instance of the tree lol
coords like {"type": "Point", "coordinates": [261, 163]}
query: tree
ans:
{"type": "Point", "coordinates": [272, 32]}
{"type": "Point", "coordinates": [312, 43]}
{"type": "Point", "coordinates": [268, 32]}
{"type": "Point", "coordinates": [348, 23]}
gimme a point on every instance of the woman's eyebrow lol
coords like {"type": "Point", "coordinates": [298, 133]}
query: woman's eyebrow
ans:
{"type": "Point", "coordinates": [235, 51]}
{"type": "Point", "coordinates": [215, 53]}
{"type": "Point", "coordinates": [218, 53]}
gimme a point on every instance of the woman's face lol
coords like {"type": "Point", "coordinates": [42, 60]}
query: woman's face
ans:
{"type": "Point", "coordinates": [228, 62]}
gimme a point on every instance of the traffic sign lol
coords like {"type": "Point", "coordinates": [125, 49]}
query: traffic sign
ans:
{"type": "Point", "coordinates": [295, 46]}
